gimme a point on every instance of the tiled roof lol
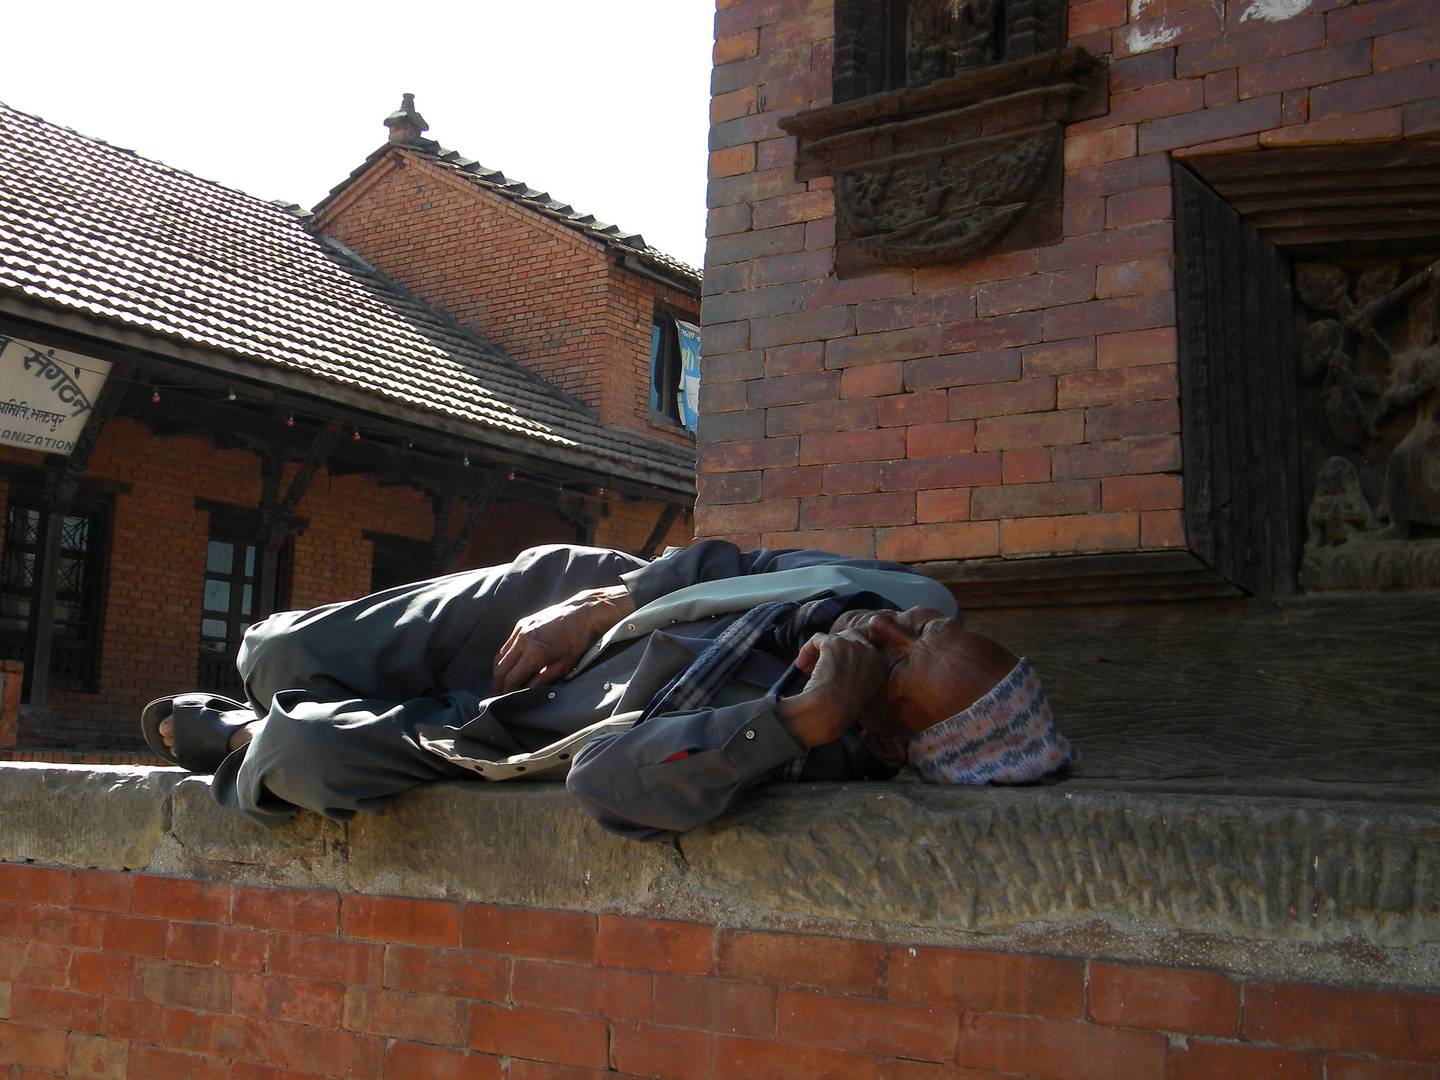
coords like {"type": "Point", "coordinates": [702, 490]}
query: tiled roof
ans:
{"type": "Point", "coordinates": [612, 236]}
{"type": "Point", "coordinates": [103, 231]}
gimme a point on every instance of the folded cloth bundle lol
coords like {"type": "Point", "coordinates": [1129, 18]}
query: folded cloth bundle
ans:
{"type": "Point", "coordinates": [1007, 737]}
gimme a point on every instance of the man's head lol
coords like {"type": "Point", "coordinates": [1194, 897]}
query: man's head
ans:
{"type": "Point", "coordinates": [937, 669]}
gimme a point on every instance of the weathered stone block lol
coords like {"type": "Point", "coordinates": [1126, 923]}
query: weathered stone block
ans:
{"type": "Point", "coordinates": [524, 843]}
{"type": "Point", "coordinates": [215, 836]}
{"type": "Point", "coordinates": [105, 816]}
{"type": "Point", "coordinates": [992, 861]}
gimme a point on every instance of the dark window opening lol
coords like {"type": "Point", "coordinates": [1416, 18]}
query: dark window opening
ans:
{"type": "Point", "coordinates": [665, 369]}
{"type": "Point", "coordinates": [79, 590]}
{"type": "Point", "coordinates": [397, 560]}
{"type": "Point", "coordinates": [671, 377]}
{"type": "Point", "coordinates": [886, 45]}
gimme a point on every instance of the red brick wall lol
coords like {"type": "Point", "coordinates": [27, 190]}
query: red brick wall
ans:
{"type": "Point", "coordinates": [626, 523]}
{"type": "Point", "coordinates": [114, 975]}
{"type": "Point", "coordinates": [623, 523]}
{"type": "Point", "coordinates": [12, 674]}
{"type": "Point", "coordinates": [551, 297]}
{"type": "Point", "coordinates": [1025, 403]}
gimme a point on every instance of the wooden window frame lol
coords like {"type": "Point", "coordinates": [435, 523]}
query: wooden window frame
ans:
{"type": "Point", "coordinates": [241, 527]}
{"type": "Point", "coordinates": [75, 660]}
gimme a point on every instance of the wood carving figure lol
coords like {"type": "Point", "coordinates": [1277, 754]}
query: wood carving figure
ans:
{"type": "Point", "coordinates": [1378, 417]}
{"type": "Point", "coordinates": [1339, 512]}
{"type": "Point", "coordinates": [949, 36]}
{"type": "Point", "coordinates": [1412, 477]}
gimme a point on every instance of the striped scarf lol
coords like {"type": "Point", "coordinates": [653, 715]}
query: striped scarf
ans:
{"type": "Point", "coordinates": [790, 625]}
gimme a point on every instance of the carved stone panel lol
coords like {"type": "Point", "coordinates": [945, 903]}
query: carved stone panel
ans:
{"type": "Point", "coordinates": [1370, 362]}
{"type": "Point", "coordinates": [944, 139]}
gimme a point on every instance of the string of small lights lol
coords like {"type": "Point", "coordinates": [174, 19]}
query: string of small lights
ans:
{"type": "Point", "coordinates": [156, 396]}
{"type": "Point", "coordinates": [158, 390]}
{"type": "Point", "coordinates": [356, 432]}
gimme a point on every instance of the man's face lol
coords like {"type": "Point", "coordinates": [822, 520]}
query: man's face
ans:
{"type": "Point", "coordinates": [937, 669]}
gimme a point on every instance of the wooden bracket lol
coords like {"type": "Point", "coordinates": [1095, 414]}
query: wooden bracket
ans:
{"type": "Point", "coordinates": [65, 478]}
{"type": "Point", "coordinates": [277, 513]}
{"type": "Point", "coordinates": [279, 524]}
{"type": "Point", "coordinates": [660, 531]}
{"type": "Point", "coordinates": [477, 503]}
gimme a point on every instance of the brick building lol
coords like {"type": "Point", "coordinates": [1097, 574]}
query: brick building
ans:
{"type": "Point", "coordinates": [586, 306]}
{"type": "Point", "coordinates": [1119, 320]}
{"type": "Point", "coordinates": [1024, 402]}
{"type": "Point", "coordinates": [282, 425]}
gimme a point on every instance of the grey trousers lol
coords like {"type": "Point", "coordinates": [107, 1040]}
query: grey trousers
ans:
{"type": "Point", "coordinates": [342, 687]}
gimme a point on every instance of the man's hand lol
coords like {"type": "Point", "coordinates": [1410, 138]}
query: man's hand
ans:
{"type": "Point", "coordinates": [846, 672]}
{"type": "Point", "coordinates": [544, 646]}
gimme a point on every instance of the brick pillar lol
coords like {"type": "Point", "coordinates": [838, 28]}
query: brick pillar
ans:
{"type": "Point", "coordinates": [12, 674]}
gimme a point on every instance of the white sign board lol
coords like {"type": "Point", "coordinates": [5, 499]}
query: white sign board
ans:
{"type": "Point", "coordinates": [45, 395]}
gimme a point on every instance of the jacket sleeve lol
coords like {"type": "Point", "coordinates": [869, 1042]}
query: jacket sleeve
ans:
{"type": "Point", "coordinates": [679, 770]}
{"type": "Point", "coordinates": [714, 560]}
{"type": "Point", "coordinates": [708, 560]}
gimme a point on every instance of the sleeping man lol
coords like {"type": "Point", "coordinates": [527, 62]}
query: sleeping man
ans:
{"type": "Point", "coordinates": [665, 688]}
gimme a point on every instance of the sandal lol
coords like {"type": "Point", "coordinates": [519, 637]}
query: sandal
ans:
{"type": "Point", "coordinates": [202, 726]}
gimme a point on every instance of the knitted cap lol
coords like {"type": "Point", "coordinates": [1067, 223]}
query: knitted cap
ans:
{"type": "Point", "coordinates": [1007, 737]}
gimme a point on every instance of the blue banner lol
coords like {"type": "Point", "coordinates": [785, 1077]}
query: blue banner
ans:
{"type": "Point", "coordinates": [689, 373]}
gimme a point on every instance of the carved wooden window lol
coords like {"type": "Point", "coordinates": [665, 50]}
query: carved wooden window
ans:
{"type": "Point", "coordinates": [945, 133]}
{"type": "Point", "coordinates": [893, 44]}
{"type": "Point", "coordinates": [1237, 392]}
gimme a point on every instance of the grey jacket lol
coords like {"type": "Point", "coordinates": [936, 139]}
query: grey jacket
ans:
{"type": "Point", "coordinates": [677, 770]}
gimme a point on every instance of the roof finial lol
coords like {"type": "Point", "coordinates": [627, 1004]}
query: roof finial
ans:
{"type": "Point", "coordinates": [405, 124]}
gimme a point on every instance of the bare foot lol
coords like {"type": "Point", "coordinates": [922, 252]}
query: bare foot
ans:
{"type": "Point", "coordinates": [238, 738]}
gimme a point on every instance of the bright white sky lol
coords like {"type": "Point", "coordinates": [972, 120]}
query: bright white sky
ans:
{"type": "Point", "coordinates": [602, 103]}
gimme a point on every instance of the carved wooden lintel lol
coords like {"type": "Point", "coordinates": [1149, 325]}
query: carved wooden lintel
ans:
{"type": "Point", "coordinates": [1064, 580]}
{"type": "Point", "coordinates": [947, 169]}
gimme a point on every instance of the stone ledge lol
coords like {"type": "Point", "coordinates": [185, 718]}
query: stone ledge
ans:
{"type": "Point", "coordinates": [1342, 891]}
